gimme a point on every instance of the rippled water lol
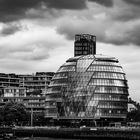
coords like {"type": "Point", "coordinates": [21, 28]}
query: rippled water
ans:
{"type": "Point", "coordinates": [43, 138]}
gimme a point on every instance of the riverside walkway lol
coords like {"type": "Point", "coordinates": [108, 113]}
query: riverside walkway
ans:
{"type": "Point", "coordinates": [112, 133]}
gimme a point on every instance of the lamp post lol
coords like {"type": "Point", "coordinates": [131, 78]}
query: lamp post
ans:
{"type": "Point", "coordinates": [31, 116]}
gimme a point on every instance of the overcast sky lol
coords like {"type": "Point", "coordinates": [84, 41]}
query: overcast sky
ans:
{"type": "Point", "coordinates": [38, 35]}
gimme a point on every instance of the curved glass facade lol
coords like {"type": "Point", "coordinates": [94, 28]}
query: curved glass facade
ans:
{"type": "Point", "coordinates": [90, 86]}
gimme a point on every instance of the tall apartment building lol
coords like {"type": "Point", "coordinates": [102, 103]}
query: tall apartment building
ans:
{"type": "Point", "coordinates": [9, 80]}
{"type": "Point", "coordinates": [36, 82]}
{"type": "Point", "coordinates": [28, 89]}
{"type": "Point", "coordinates": [84, 44]}
{"type": "Point", "coordinates": [32, 100]}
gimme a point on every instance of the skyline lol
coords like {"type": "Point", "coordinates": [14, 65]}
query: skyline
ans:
{"type": "Point", "coordinates": [38, 35]}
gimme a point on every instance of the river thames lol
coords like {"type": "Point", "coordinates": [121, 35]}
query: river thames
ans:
{"type": "Point", "coordinates": [44, 138]}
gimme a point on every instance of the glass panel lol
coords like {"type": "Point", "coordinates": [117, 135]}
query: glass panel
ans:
{"type": "Point", "coordinates": [105, 63]}
{"type": "Point", "coordinates": [109, 75]}
{"type": "Point", "coordinates": [84, 62]}
{"type": "Point", "coordinates": [108, 89]}
{"type": "Point", "coordinates": [67, 68]}
{"type": "Point", "coordinates": [60, 75]}
{"type": "Point", "coordinates": [105, 68]}
{"type": "Point", "coordinates": [108, 82]}
{"type": "Point", "coordinates": [70, 63]}
{"type": "Point", "coordinates": [110, 97]}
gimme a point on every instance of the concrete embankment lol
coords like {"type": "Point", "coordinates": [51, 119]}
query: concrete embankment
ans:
{"type": "Point", "coordinates": [98, 133]}
{"type": "Point", "coordinates": [6, 130]}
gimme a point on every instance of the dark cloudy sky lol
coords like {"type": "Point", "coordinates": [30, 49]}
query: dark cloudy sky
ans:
{"type": "Point", "coordinates": [38, 35]}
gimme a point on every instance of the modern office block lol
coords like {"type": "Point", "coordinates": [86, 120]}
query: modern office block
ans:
{"type": "Point", "coordinates": [84, 44]}
{"type": "Point", "coordinates": [88, 87]}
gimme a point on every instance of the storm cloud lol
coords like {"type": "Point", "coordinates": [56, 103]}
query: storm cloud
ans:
{"type": "Point", "coordinates": [10, 28]}
{"type": "Point", "coordinates": [133, 2]}
{"type": "Point", "coordinates": [126, 10]}
{"type": "Point", "coordinates": [38, 35]}
{"type": "Point", "coordinates": [11, 10]}
{"type": "Point", "coordinates": [108, 3]}
{"type": "Point", "coordinates": [114, 15]}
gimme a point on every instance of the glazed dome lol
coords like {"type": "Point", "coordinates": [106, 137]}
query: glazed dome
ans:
{"type": "Point", "coordinates": [88, 86]}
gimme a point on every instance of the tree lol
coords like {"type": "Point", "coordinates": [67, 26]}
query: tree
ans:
{"type": "Point", "coordinates": [134, 116]}
{"type": "Point", "coordinates": [39, 119]}
{"type": "Point", "coordinates": [1, 115]}
{"type": "Point", "coordinates": [14, 113]}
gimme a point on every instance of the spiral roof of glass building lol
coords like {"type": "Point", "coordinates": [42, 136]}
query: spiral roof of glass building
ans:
{"type": "Point", "coordinates": [88, 86]}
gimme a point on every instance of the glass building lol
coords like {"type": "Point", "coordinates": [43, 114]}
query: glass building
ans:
{"type": "Point", "coordinates": [88, 87]}
{"type": "Point", "coordinates": [84, 44]}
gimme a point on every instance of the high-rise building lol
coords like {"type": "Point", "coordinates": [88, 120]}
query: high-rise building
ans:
{"type": "Point", "coordinates": [84, 44]}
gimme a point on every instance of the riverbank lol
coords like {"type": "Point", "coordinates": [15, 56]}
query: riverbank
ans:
{"type": "Point", "coordinates": [121, 133]}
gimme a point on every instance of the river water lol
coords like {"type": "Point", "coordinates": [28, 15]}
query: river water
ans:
{"type": "Point", "coordinates": [43, 138]}
{"type": "Point", "coordinates": [46, 138]}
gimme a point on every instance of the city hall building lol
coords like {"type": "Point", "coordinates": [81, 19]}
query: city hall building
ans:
{"type": "Point", "coordinates": [88, 87]}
